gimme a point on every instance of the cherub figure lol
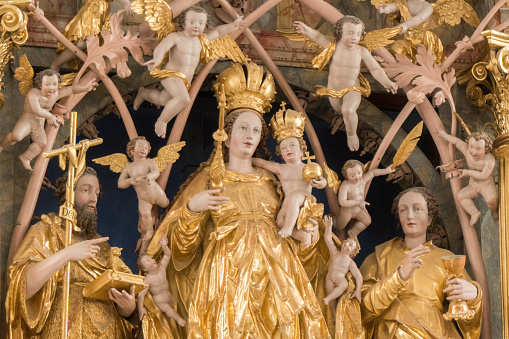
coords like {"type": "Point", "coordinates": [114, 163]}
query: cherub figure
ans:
{"type": "Point", "coordinates": [344, 87]}
{"type": "Point", "coordinates": [351, 196]}
{"type": "Point", "coordinates": [340, 264]}
{"type": "Point", "coordinates": [41, 96]}
{"type": "Point", "coordinates": [158, 284]}
{"type": "Point", "coordinates": [481, 164]}
{"type": "Point", "coordinates": [291, 147]}
{"type": "Point", "coordinates": [92, 18]}
{"type": "Point", "coordinates": [420, 17]}
{"type": "Point", "coordinates": [141, 174]}
{"type": "Point", "coordinates": [184, 50]}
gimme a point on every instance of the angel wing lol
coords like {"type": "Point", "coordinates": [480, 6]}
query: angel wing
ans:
{"type": "Point", "coordinates": [116, 161]}
{"type": "Point", "coordinates": [294, 36]}
{"type": "Point", "coordinates": [158, 14]}
{"type": "Point", "coordinates": [168, 154]}
{"type": "Point", "coordinates": [332, 178]}
{"type": "Point", "coordinates": [452, 11]}
{"type": "Point", "coordinates": [25, 75]}
{"type": "Point", "coordinates": [67, 79]}
{"type": "Point", "coordinates": [381, 37]}
{"type": "Point", "coordinates": [221, 47]}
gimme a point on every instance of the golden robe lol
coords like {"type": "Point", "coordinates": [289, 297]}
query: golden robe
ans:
{"type": "Point", "coordinates": [250, 282]}
{"type": "Point", "coordinates": [393, 308]}
{"type": "Point", "coordinates": [41, 315]}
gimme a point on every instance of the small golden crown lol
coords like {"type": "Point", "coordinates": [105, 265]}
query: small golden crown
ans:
{"type": "Point", "coordinates": [251, 90]}
{"type": "Point", "coordinates": [286, 124]}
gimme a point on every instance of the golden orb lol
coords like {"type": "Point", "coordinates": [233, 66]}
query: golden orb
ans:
{"type": "Point", "coordinates": [312, 171]}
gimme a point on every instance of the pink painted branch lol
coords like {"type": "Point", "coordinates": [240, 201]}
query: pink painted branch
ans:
{"type": "Point", "coordinates": [124, 112]}
{"type": "Point", "coordinates": [180, 122]}
{"type": "Point", "coordinates": [324, 9]}
{"type": "Point", "coordinates": [31, 194]}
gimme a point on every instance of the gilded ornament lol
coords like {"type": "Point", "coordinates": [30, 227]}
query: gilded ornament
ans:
{"type": "Point", "coordinates": [13, 25]}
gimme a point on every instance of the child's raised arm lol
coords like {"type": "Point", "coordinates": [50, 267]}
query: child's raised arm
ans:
{"type": "Point", "coordinates": [223, 30]}
{"type": "Point", "coordinates": [378, 172]}
{"type": "Point", "coordinates": [327, 221]}
{"type": "Point", "coordinates": [312, 34]}
{"type": "Point", "coordinates": [167, 254]}
{"type": "Point", "coordinates": [460, 145]}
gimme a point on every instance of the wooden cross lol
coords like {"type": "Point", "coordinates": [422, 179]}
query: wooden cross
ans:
{"type": "Point", "coordinates": [67, 211]}
{"type": "Point", "coordinates": [308, 157]}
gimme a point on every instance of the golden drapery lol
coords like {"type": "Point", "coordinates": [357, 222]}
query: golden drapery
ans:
{"type": "Point", "coordinates": [420, 34]}
{"type": "Point", "coordinates": [40, 316]}
{"type": "Point", "coordinates": [91, 19]}
{"type": "Point", "coordinates": [393, 308]}
{"type": "Point", "coordinates": [250, 282]}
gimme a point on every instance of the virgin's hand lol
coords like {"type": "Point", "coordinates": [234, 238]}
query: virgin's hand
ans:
{"type": "Point", "coordinates": [206, 200]}
{"type": "Point", "coordinates": [412, 262]}
{"type": "Point", "coordinates": [126, 302]}
{"type": "Point", "coordinates": [460, 289]}
{"type": "Point", "coordinates": [320, 183]}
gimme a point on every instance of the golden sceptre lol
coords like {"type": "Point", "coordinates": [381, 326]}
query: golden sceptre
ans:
{"type": "Point", "coordinates": [67, 211]}
{"type": "Point", "coordinates": [217, 168]}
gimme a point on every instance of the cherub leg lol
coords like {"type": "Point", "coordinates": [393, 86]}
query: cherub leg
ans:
{"type": "Point", "coordinates": [465, 196]}
{"type": "Point", "coordinates": [329, 287]}
{"type": "Point", "coordinates": [20, 131]}
{"type": "Point", "coordinates": [336, 292]}
{"type": "Point", "coordinates": [180, 99]}
{"type": "Point", "coordinates": [39, 142]}
{"type": "Point", "coordinates": [146, 224]}
{"type": "Point", "coordinates": [294, 201]}
{"type": "Point", "coordinates": [344, 217]}
{"type": "Point", "coordinates": [302, 236]}
{"type": "Point", "coordinates": [172, 314]}
{"type": "Point", "coordinates": [362, 220]}
{"type": "Point", "coordinates": [337, 120]}
{"type": "Point", "coordinates": [158, 97]}
{"type": "Point", "coordinates": [66, 55]}
{"type": "Point", "coordinates": [490, 195]}
{"type": "Point", "coordinates": [351, 102]}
